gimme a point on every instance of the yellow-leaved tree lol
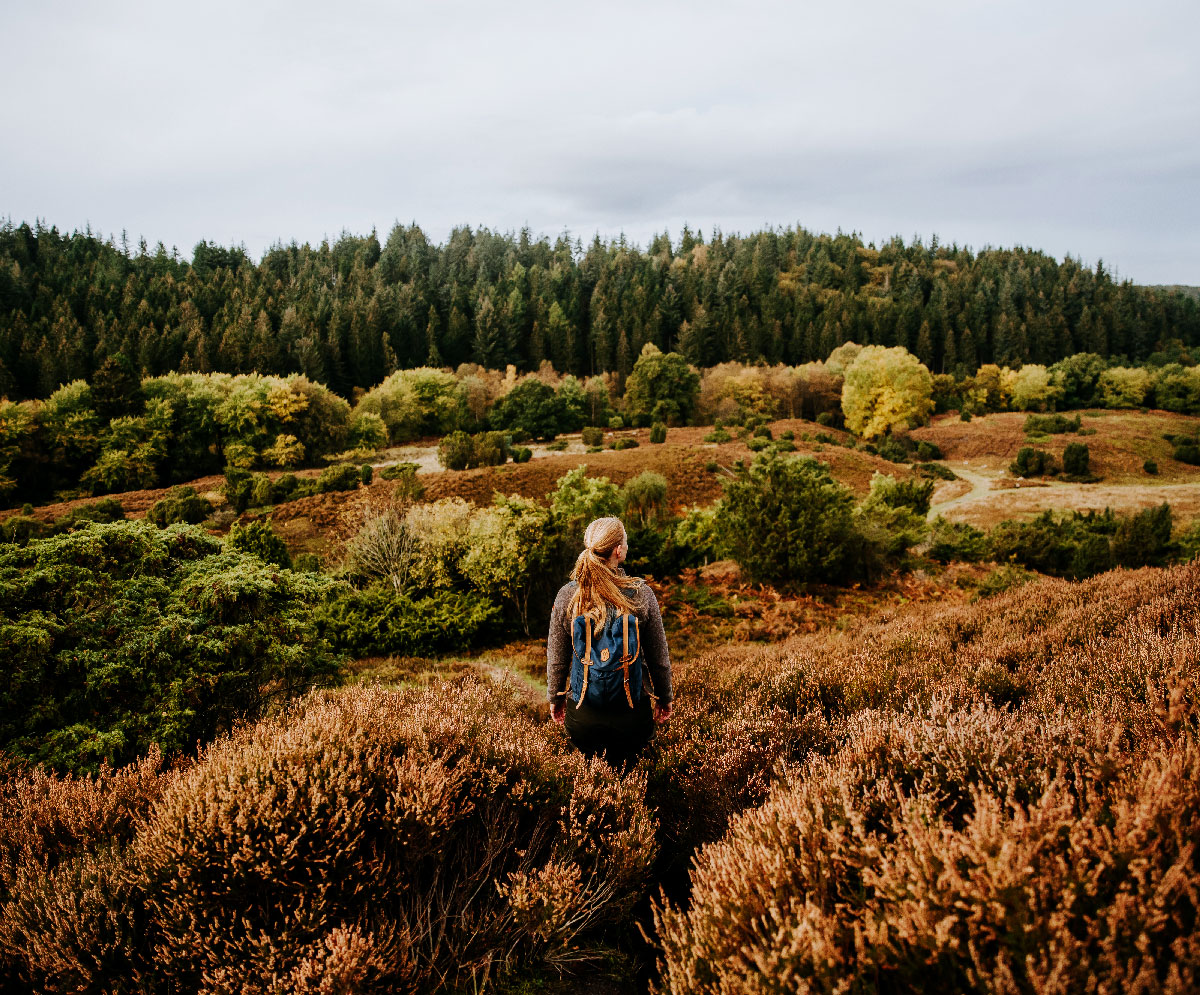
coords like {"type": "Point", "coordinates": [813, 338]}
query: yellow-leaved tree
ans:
{"type": "Point", "coordinates": [886, 390]}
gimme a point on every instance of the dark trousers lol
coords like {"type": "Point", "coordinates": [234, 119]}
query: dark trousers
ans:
{"type": "Point", "coordinates": [618, 732]}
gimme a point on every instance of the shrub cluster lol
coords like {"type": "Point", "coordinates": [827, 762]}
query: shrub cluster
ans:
{"type": "Point", "coordinates": [365, 841]}
{"type": "Point", "coordinates": [118, 636]}
{"type": "Point", "coordinates": [954, 807]}
{"type": "Point", "coordinates": [244, 489]}
{"type": "Point", "coordinates": [1051, 424]}
{"type": "Point", "coordinates": [21, 528]}
{"type": "Point", "coordinates": [460, 451]}
{"type": "Point", "coordinates": [182, 504]}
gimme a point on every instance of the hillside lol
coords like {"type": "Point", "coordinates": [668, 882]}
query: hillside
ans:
{"type": "Point", "coordinates": [932, 775]}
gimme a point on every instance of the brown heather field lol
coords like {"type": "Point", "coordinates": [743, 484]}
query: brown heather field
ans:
{"type": "Point", "coordinates": [880, 790]}
{"type": "Point", "coordinates": [998, 796]}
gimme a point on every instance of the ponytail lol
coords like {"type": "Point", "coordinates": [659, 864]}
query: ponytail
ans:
{"type": "Point", "coordinates": [600, 585]}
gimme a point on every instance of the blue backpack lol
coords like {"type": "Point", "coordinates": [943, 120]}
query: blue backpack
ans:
{"type": "Point", "coordinates": [607, 667]}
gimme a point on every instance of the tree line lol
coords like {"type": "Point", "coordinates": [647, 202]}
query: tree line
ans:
{"type": "Point", "coordinates": [351, 312]}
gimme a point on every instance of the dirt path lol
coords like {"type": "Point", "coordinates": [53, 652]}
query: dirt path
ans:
{"type": "Point", "coordinates": [995, 497]}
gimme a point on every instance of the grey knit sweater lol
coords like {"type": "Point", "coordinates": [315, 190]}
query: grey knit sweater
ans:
{"type": "Point", "coordinates": [654, 642]}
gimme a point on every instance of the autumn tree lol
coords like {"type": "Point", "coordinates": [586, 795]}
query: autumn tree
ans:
{"type": "Point", "coordinates": [886, 390]}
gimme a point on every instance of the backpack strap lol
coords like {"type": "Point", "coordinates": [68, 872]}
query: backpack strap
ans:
{"type": "Point", "coordinates": [626, 658]}
{"type": "Point", "coordinates": [587, 655]}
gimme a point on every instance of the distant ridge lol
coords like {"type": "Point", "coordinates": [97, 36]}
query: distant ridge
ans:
{"type": "Point", "coordinates": [1178, 288]}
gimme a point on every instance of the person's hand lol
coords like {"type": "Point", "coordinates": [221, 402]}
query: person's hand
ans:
{"type": "Point", "coordinates": [558, 711]}
{"type": "Point", "coordinates": [662, 712]}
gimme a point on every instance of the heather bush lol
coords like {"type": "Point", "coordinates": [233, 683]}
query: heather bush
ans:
{"type": "Point", "coordinates": [370, 840]}
{"type": "Point", "coordinates": [978, 787]}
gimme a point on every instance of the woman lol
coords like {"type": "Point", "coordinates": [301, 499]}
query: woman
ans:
{"type": "Point", "coordinates": [591, 603]}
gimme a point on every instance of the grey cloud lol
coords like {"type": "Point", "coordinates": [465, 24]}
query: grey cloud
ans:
{"type": "Point", "coordinates": [1067, 127]}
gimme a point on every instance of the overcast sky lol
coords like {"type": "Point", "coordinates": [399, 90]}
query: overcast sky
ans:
{"type": "Point", "coordinates": [1067, 126]}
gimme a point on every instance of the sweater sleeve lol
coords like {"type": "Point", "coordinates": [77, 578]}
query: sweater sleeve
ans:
{"type": "Point", "coordinates": [558, 648]}
{"type": "Point", "coordinates": [654, 643]}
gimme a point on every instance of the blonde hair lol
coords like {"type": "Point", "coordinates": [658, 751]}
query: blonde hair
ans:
{"type": "Point", "coordinates": [599, 584]}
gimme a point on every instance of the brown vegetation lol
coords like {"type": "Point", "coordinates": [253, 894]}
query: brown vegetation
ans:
{"type": "Point", "coordinates": [371, 840]}
{"type": "Point", "coordinates": [998, 797]}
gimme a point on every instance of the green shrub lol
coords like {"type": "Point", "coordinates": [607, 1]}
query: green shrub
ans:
{"type": "Point", "coordinates": [593, 435]}
{"type": "Point", "coordinates": [398, 471]}
{"type": "Point", "coordinates": [712, 466]}
{"type": "Point", "coordinates": [556, 447]}
{"type": "Point", "coordinates": [408, 484]}
{"type": "Point", "coordinates": [343, 477]}
{"type": "Point", "coordinates": [456, 451]}
{"type": "Point", "coordinates": [784, 446]}
{"type": "Point", "coordinates": [182, 504]}
{"type": "Point", "coordinates": [1003, 578]}
{"type": "Point", "coordinates": [261, 491]}
{"type": "Point", "coordinates": [964, 415]}
{"type": "Point", "coordinates": [892, 449]}
{"type": "Point", "coordinates": [787, 434]}
{"type": "Point", "coordinates": [1053, 424]}
{"type": "Point", "coordinates": [490, 449]}
{"type": "Point", "coordinates": [366, 473]}
{"type": "Point", "coordinates": [908, 493]}
{"type": "Point", "coordinates": [927, 451]}
{"type": "Point", "coordinates": [1032, 462]}
{"type": "Point", "coordinates": [1150, 466]}
{"type": "Point", "coordinates": [762, 431]}
{"type": "Point", "coordinates": [306, 563]}
{"type": "Point", "coordinates": [1143, 539]}
{"type": "Point", "coordinates": [1074, 545]}
{"type": "Point", "coordinates": [1188, 452]}
{"type": "Point", "coordinates": [695, 539]}
{"type": "Point", "coordinates": [378, 621]}
{"type": "Point", "coordinates": [786, 519]}
{"type": "Point", "coordinates": [658, 433]}
{"type": "Point", "coordinates": [20, 529]}
{"type": "Point", "coordinates": [936, 470]}
{"type": "Point", "coordinates": [825, 418]}
{"type": "Point", "coordinates": [284, 487]}
{"type": "Point", "coordinates": [123, 635]}
{"type": "Point", "coordinates": [259, 538]}
{"type": "Point", "coordinates": [238, 486]}
{"type": "Point", "coordinates": [625, 443]}
{"type": "Point", "coordinates": [957, 541]}
{"type": "Point", "coordinates": [756, 444]}
{"type": "Point", "coordinates": [522, 454]}
{"type": "Point", "coordinates": [718, 435]}
{"type": "Point", "coordinates": [1075, 459]}
{"type": "Point", "coordinates": [644, 498]}
{"type": "Point", "coordinates": [616, 422]}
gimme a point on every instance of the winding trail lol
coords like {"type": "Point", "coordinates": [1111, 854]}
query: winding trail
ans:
{"type": "Point", "coordinates": [985, 504]}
